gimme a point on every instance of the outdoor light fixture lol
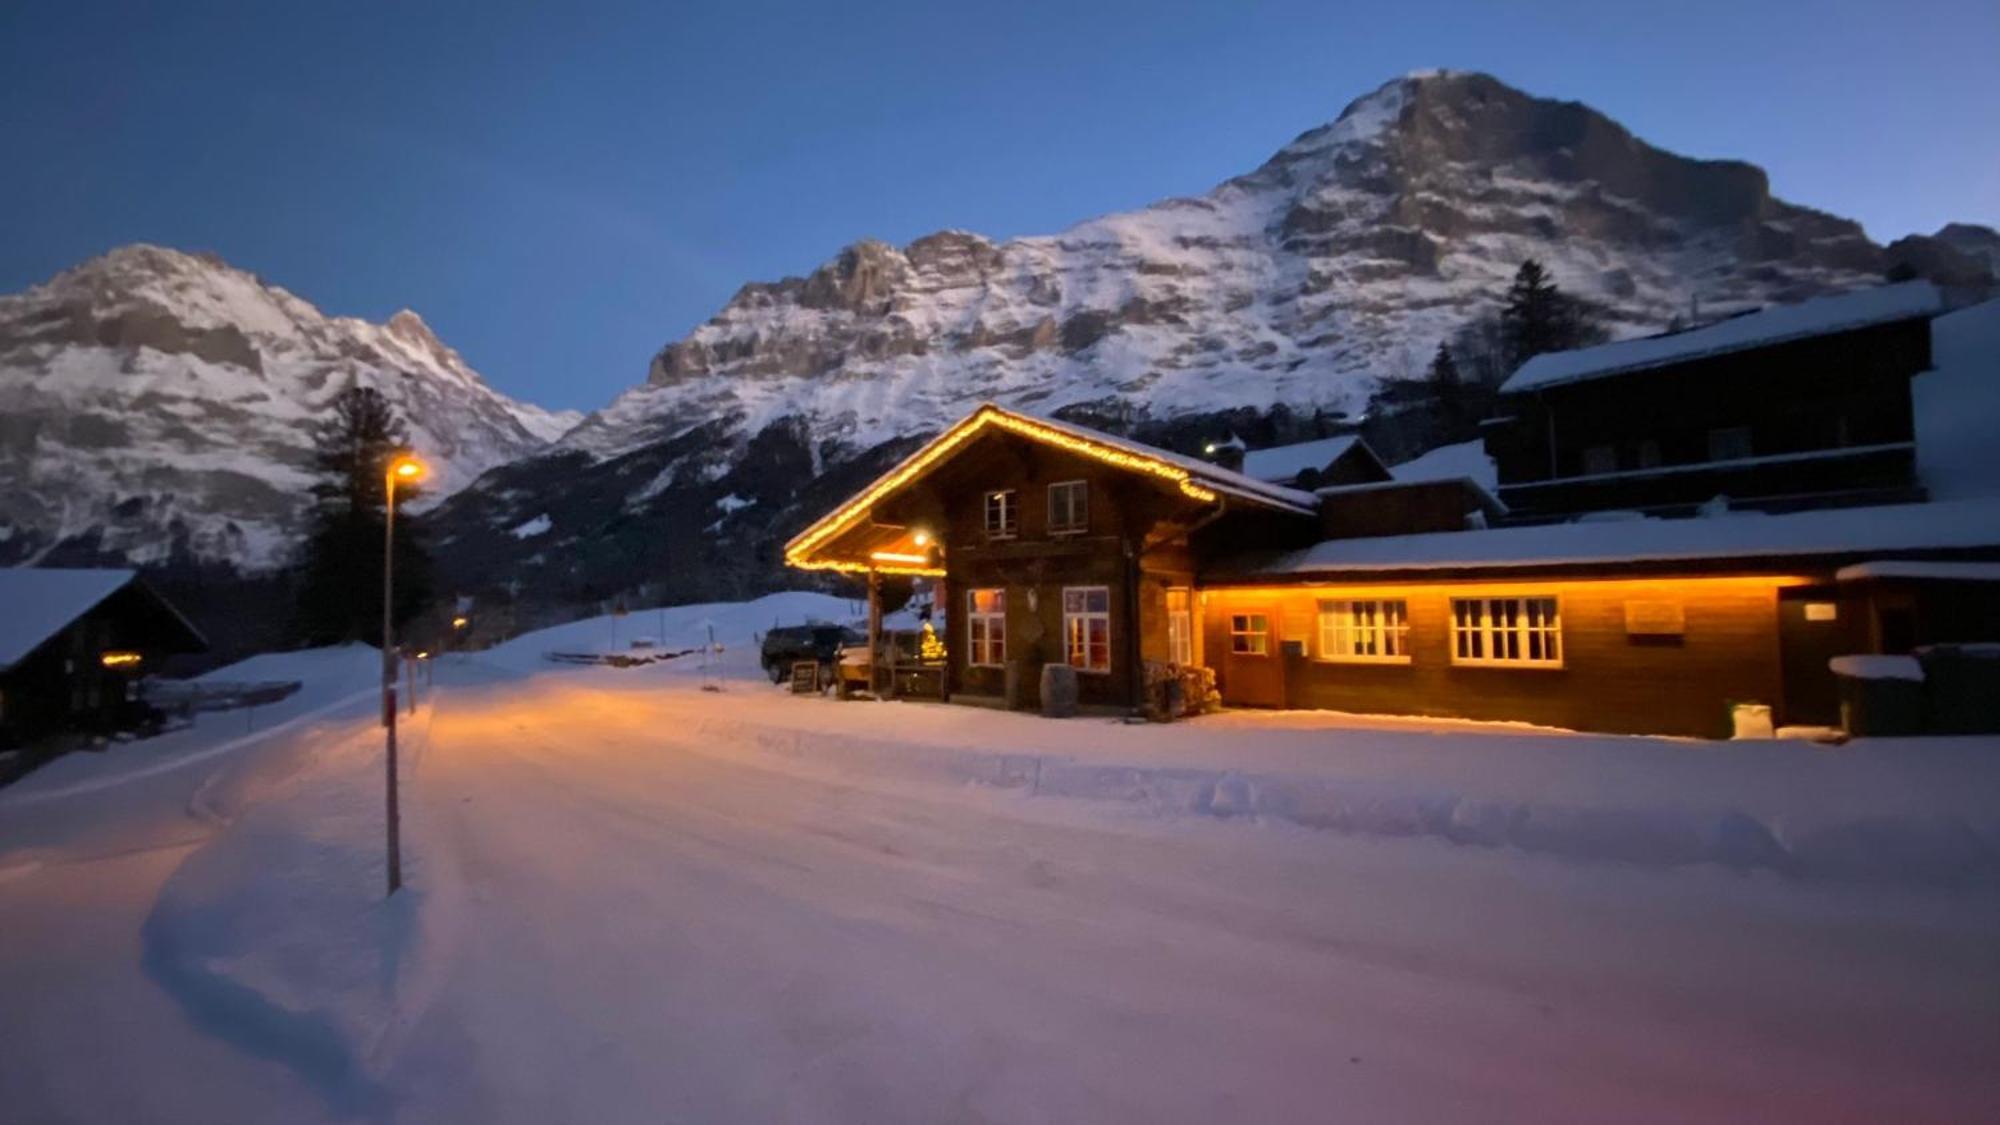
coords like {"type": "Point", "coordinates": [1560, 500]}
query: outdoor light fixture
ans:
{"type": "Point", "coordinates": [120, 659]}
{"type": "Point", "coordinates": [899, 557]}
{"type": "Point", "coordinates": [407, 468]}
{"type": "Point", "coordinates": [923, 538]}
{"type": "Point", "coordinates": [459, 622]}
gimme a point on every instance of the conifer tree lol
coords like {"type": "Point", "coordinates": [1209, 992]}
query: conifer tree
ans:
{"type": "Point", "coordinates": [340, 594]}
{"type": "Point", "coordinates": [1538, 317]}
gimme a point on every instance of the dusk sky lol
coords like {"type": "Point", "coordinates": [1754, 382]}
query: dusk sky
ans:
{"type": "Point", "coordinates": [559, 192]}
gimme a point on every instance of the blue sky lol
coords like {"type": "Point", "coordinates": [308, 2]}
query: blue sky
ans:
{"type": "Point", "coordinates": [562, 189]}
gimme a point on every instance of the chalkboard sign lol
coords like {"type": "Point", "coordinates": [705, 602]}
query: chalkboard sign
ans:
{"type": "Point", "coordinates": [805, 677]}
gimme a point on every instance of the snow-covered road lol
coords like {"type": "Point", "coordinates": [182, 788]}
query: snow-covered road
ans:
{"type": "Point", "coordinates": [661, 927]}
{"type": "Point", "coordinates": [634, 900]}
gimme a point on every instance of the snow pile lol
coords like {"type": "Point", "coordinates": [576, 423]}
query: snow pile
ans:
{"type": "Point", "coordinates": [1957, 405]}
{"type": "Point", "coordinates": [1643, 801]}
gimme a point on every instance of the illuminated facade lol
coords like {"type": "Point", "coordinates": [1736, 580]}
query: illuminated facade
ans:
{"type": "Point", "coordinates": [1050, 543]}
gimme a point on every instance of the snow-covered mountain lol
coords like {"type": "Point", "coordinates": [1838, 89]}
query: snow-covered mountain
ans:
{"type": "Point", "coordinates": [158, 405]}
{"type": "Point", "coordinates": [1338, 263]}
{"type": "Point", "coordinates": [1343, 259]}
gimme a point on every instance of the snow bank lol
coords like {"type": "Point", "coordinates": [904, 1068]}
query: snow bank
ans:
{"type": "Point", "coordinates": [317, 969]}
{"type": "Point", "coordinates": [1880, 810]}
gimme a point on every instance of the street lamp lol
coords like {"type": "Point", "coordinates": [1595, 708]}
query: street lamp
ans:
{"type": "Point", "coordinates": [406, 468]}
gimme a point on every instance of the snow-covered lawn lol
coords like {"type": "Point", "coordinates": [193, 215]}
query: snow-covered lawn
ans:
{"type": "Point", "coordinates": [633, 899]}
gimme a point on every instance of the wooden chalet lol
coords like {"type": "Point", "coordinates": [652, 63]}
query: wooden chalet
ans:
{"type": "Point", "coordinates": [1795, 406]}
{"type": "Point", "coordinates": [72, 645]}
{"type": "Point", "coordinates": [1051, 543]}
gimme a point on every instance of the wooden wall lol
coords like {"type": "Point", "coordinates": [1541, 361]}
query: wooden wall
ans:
{"type": "Point", "coordinates": [1609, 681]}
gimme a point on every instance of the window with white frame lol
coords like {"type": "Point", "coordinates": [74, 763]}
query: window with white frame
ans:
{"type": "Point", "coordinates": [1364, 630]}
{"type": "Point", "coordinates": [1087, 627]}
{"type": "Point", "coordinates": [1069, 507]}
{"type": "Point", "coordinates": [1521, 632]}
{"type": "Point", "coordinates": [1180, 626]}
{"type": "Point", "coordinates": [1003, 514]}
{"type": "Point", "coordinates": [1249, 634]}
{"type": "Point", "coordinates": [986, 627]}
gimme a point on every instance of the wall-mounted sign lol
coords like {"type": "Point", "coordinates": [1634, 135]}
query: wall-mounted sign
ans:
{"type": "Point", "coordinates": [1655, 618]}
{"type": "Point", "coordinates": [1822, 611]}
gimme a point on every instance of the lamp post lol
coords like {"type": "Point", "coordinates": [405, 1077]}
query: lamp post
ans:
{"type": "Point", "coordinates": [402, 467]}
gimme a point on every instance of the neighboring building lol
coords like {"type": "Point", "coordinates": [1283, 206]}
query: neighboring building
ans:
{"type": "Point", "coordinates": [1796, 406]}
{"type": "Point", "coordinates": [73, 643]}
{"type": "Point", "coordinates": [1310, 464]}
{"type": "Point", "coordinates": [1427, 595]}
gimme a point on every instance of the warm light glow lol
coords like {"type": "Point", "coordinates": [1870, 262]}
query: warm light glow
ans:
{"type": "Point", "coordinates": [120, 659]}
{"type": "Point", "coordinates": [406, 468]}
{"type": "Point", "coordinates": [459, 622]}
{"type": "Point", "coordinates": [899, 557]}
{"type": "Point", "coordinates": [798, 552]}
{"type": "Point", "coordinates": [1498, 586]}
{"type": "Point", "coordinates": [923, 538]}
{"type": "Point", "coordinates": [423, 656]}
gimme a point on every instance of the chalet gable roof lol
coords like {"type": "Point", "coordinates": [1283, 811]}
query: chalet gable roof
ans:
{"type": "Point", "coordinates": [1842, 312]}
{"type": "Point", "coordinates": [1197, 479]}
{"type": "Point", "coordinates": [1282, 463]}
{"type": "Point", "coordinates": [37, 603]}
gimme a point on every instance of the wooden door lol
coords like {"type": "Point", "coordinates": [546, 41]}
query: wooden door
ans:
{"type": "Point", "coordinates": [1253, 663]}
{"type": "Point", "coordinates": [1813, 628]}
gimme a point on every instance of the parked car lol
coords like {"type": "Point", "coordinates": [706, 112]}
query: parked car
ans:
{"type": "Point", "coordinates": [787, 645]}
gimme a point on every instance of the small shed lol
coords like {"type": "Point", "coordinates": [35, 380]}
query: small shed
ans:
{"type": "Point", "coordinates": [72, 645]}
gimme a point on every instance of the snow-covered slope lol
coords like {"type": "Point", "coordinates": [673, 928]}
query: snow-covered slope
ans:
{"type": "Point", "coordinates": [1338, 263]}
{"type": "Point", "coordinates": [159, 404]}
{"type": "Point", "coordinates": [1343, 259]}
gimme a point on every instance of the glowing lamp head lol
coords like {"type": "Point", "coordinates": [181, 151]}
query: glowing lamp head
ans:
{"type": "Point", "coordinates": [406, 468]}
{"type": "Point", "coordinates": [459, 622]}
{"type": "Point", "coordinates": [1209, 448]}
{"type": "Point", "coordinates": [923, 538]}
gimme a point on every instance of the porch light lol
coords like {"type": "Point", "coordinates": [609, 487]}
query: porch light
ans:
{"type": "Point", "coordinates": [120, 659]}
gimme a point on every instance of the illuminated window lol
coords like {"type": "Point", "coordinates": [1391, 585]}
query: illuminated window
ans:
{"type": "Point", "coordinates": [1180, 627]}
{"type": "Point", "coordinates": [1087, 627]}
{"type": "Point", "coordinates": [1364, 630]}
{"type": "Point", "coordinates": [1069, 507]}
{"type": "Point", "coordinates": [1730, 444]}
{"type": "Point", "coordinates": [986, 627]}
{"type": "Point", "coordinates": [1249, 634]}
{"type": "Point", "coordinates": [1003, 514]}
{"type": "Point", "coordinates": [1524, 632]}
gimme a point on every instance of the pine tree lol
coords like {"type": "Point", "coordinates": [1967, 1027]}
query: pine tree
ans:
{"type": "Point", "coordinates": [1444, 371]}
{"type": "Point", "coordinates": [1538, 317]}
{"type": "Point", "coordinates": [340, 595]}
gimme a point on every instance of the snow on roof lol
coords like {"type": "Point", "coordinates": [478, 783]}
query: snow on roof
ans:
{"type": "Point", "coordinates": [1466, 460]}
{"type": "Point", "coordinates": [1868, 666]}
{"type": "Point", "coordinates": [1207, 472]}
{"type": "Point", "coordinates": [1818, 317]}
{"type": "Point", "coordinates": [36, 603]}
{"type": "Point", "coordinates": [1286, 462]}
{"type": "Point", "coordinates": [1913, 568]}
{"type": "Point", "coordinates": [1738, 535]}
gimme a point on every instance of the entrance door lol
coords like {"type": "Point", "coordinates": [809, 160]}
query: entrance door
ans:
{"type": "Point", "coordinates": [1812, 629]}
{"type": "Point", "coordinates": [1253, 665]}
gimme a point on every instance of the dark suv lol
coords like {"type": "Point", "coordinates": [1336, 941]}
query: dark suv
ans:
{"type": "Point", "coordinates": [790, 644]}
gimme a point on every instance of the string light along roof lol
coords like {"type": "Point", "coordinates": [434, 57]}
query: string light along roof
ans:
{"type": "Point", "coordinates": [1196, 479]}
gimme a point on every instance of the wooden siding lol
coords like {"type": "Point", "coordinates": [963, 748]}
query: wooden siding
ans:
{"type": "Point", "coordinates": [1609, 680]}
